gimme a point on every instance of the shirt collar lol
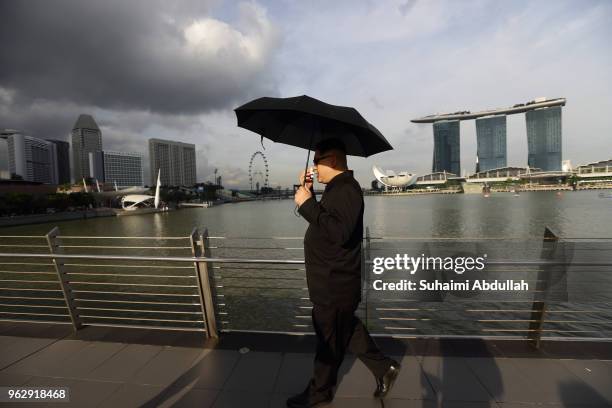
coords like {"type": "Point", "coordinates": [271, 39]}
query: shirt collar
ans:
{"type": "Point", "coordinates": [345, 174]}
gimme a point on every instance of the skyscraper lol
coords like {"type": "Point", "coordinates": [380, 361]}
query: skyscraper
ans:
{"type": "Point", "coordinates": [86, 138]}
{"type": "Point", "coordinates": [544, 138]}
{"type": "Point", "coordinates": [63, 160]}
{"type": "Point", "coordinates": [121, 168]}
{"type": "Point", "coordinates": [33, 159]}
{"type": "Point", "coordinates": [176, 160]}
{"type": "Point", "coordinates": [446, 147]}
{"type": "Point", "coordinates": [543, 119]}
{"type": "Point", "coordinates": [491, 142]}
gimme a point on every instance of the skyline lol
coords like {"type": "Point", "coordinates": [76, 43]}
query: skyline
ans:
{"type": "Point", "coordinates": [180, 70]}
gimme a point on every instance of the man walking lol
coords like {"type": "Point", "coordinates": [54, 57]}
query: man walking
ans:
{"type": "Point", "coordinates": [332, 251]}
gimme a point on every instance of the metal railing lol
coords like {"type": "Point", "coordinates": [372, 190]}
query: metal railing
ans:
{"type": "Point", "coordinates": [250, 285]}
{"type": "Point", "coordinates": [99, 288]}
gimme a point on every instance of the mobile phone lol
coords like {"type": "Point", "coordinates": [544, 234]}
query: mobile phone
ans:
{"type": "Point", "coordinates": [310, 175]}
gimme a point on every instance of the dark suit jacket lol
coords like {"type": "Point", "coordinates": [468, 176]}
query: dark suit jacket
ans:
{"type": "Point", "coordinates": [332, 244]}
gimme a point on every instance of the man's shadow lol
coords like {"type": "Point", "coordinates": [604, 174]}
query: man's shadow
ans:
{"type": "Point", "coordinates": [451, 375]}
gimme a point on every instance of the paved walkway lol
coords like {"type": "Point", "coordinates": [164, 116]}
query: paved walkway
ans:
{"type": "Point", "coordinates": [103, 373]}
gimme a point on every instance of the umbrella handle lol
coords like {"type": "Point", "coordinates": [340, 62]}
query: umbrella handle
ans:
{"type": "Point", "coordinates": [295, 210]}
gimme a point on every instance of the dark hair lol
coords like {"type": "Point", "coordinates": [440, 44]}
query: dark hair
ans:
{"type": "Point", "coordinates": [330, 144]}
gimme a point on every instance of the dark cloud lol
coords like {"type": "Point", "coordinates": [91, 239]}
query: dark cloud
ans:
{"type": "Point", "coordinates": [134, 55]}
{"type": "Point", "coordinates": [43, 119]}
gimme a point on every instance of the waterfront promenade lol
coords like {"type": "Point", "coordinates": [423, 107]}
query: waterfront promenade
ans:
{"type": "Point", "coordinates": [111, 367]}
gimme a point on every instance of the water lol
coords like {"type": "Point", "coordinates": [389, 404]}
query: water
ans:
{"type": "Point", "coordinates": [272, 297]}
{"type": "Point", "coordinates": [572, 214]}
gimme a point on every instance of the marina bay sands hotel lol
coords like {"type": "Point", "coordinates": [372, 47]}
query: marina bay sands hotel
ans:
{"type": "Point", "coordinates": [543, 117]}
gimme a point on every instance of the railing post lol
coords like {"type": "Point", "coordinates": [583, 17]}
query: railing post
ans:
{"type": "Point", "coordinates": [206, 291]}
{"type": "Point", "coordinates": [366, 258]}
{"type": "Point", "coordinates": [538, 308]}
{"type": "Point", "coordinates": [195, 251]}
{"type": "Point", "coordinates": [54, 248]}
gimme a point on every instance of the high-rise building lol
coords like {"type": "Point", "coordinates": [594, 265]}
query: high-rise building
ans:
{"type": "Point", "coordinates": [544, 138]}
{"type": "Point", "coordinates": [491, 142]}
{"type": "Point", "coordinates": [176, 160]}
{"type": "Point", "coordinates": [446, 155]}
{"type": "Point", "coordinates": [96, 165]}
{"type": "Point", "coordinates": [86, 138]}
{"type": "Point", "coordinates": [33, 159]}
{"type": "Point", "coordinates": [121, 168]}
{"type": "Point", "coordinates": [63, 160]}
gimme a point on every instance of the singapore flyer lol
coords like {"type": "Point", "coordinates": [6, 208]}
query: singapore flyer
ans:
{"type": "Point", "coordinates": [258, 171]}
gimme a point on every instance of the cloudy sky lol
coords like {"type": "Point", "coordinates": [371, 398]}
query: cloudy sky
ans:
{"type": "Point", "coordinates": [176, 70]}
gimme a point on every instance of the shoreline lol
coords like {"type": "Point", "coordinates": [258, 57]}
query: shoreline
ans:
{"type": "Point", "coordinates": [113, 212]}
{"type": "Point", "coordinates": [531, 189]}
{"type": "Point", "coordinates": [61, 216]}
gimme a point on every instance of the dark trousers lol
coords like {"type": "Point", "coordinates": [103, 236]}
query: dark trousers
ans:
{"type": "Point", "coordinates": [339, 330]}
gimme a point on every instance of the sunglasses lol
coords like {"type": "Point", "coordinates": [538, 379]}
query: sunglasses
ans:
{"type": "Point", "coordinates": [317, 160]}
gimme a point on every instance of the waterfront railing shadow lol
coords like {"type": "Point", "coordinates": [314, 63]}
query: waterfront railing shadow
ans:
{"type": "Point", "coordinates": [216, 284]}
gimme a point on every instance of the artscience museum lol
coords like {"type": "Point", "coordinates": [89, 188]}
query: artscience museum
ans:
{"type": "Point", "coordinates": [390, 179]}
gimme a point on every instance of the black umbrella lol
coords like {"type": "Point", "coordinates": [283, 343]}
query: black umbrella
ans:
{"type": "Point", "coordinates": [303, 121]}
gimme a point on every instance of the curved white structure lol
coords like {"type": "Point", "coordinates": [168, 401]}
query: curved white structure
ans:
{"type": "Point", "coordinates": [132, 202]}
{"type": "Point", "coordinates": [390, 179]}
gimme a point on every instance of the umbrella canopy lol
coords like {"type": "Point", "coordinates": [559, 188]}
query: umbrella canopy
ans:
{"type": "Point", "coordinates": [303, 121]}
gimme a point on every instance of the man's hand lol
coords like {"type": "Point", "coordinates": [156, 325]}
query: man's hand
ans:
{"type": "Point", "coordinates": [301, 178]}
{"type": "Point", "coordinates": [302, 194]}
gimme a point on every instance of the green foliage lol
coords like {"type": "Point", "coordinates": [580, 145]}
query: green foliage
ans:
{"type": "Point", "coordinates": [24, 203]}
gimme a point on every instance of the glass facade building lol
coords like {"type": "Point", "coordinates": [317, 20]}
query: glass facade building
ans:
{"type": "Point", "coordinates": [121, 168]}
{"type": "Point", "coordinates": [544, 138]}
{"type": "Point", "coordinates": [491, 142]}
{"type": "Point", "coordinates": [63, 160]}
{"type": "Point", "coordinates": [446, 156]}
{"type": "Point", "coordinates": [86, 138]}
{"type": "Point", "coordinates": [33, 159]}
{"type": "Point", "coordinates": [176, 160]}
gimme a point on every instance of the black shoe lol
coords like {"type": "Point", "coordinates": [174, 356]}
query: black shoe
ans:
{"type": "Point", "coordinates": [385, 383]}
{"type": "Point", "coordinates": [307, 399]}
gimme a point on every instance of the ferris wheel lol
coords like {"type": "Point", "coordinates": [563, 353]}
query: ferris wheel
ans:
{"type": "Point", "coordinates": [258, 170]}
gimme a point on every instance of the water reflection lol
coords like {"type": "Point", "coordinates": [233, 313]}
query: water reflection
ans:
{"type": "Point", "coordinates": [578, 214]}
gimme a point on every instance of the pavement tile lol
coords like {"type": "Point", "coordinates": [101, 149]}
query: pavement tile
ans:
{"type": "Point", "coordinates": [280, 400]}
{"type": "Point", "coordinates": [295, 373]}
{"type": "Point", "coordinates": [242, 399]}
{"type": "Point", "coordinates": [255, 371]}
{"type": "Point", "coordinates": [556, 383]}
{"type": "Point", "coordinates": [412, 383]}
{"type": "Point", "coordinates": [196, 397]}
{"type": "Point", "coordinates": [503, 380]}
{"type": "Point", "coordinates": [452, 380]}
{"type": "Point", "coordinates": [82, 393]}
{"type": "Point", "coordinates": [124, 364]}
{"type": "Point", "coordinates": [131, 395]}
{"type": "Point", "coordinates": [167, 366]}
{"type": "Point", "coordinates": [8, 379]}
{"type": "Point", "coordinates": [45, 361]}
{"type": "Point", "coordinates": [402, 403]}
{"type": "Point", "coordinates": [5, 341]}
{"type": "Point", "coordinates": [214, 368]}
{"type": "Point", "coordinates": [85, 360]}
{"type": "Point", "coordinates": [596, 374]}
{"type": "Point", "coordinates": [355, 380]}
{"type": "Point", "coordinates": [15, 348]}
